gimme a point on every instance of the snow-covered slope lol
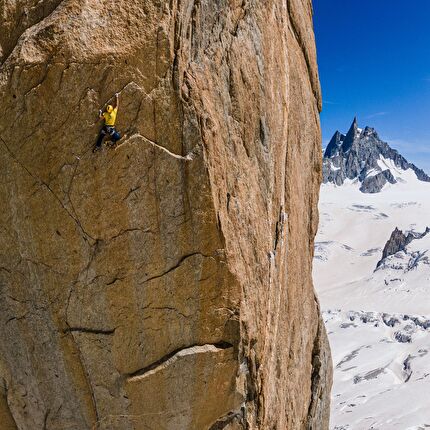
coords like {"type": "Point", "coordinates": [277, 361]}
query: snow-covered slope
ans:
{"type": "Point", "coordinates": [382, 370]}
{"type": "Point", "coordinates": [378, 320]}
{"type": "Point", "coordinates": [354, 228]}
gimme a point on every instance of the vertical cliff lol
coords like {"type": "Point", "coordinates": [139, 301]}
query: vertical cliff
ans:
{"type": "Point", "coordinates": [164, 284]}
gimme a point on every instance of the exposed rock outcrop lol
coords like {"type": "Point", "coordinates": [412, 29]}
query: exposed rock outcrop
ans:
{"type": "Point", "coordinates": [398, 241]}
{"type": "Point", "coordinates": [375, 183]}
{"type": "Point", "coordinates": [361, 155]}
{"type": "Point", "coordinates": [167, 283]}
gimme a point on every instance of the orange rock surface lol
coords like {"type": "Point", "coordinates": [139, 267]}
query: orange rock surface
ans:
{"type": "Point", "coordinates": [166, 283]}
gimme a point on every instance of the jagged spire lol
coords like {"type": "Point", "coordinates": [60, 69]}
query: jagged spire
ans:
{"type": "Point", "coordinates": [334, 144]}
{"type": "Point", "coordinates": [354, 126]}
{"type": "Point", "coordinates": [350, 136]}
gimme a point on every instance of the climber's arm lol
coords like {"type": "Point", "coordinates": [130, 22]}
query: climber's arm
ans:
{"type": "Point", "coordinates": [116, 100]}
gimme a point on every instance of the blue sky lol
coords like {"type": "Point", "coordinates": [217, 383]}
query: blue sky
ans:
{"type": "Point", "coordinates": [374, 62]}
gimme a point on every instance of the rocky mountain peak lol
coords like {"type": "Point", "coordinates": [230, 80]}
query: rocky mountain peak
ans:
{"type": "Point", "coordinates": [398, 241]}
{"type": "Point", "coordinates": [335, 145]}
{"type": "Point", "coordinates": [369, 131]}
{"type": "Point", "coordinates": [351, 136]}
{"type": "Point", "coordinates": [362, 156]}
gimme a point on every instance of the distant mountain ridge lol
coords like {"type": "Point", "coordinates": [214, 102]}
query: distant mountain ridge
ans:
{"type": "Point", "coordinates": [361, 155]}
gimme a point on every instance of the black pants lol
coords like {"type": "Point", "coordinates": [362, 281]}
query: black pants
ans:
{"type": "Point", "coordinates": [107, 130]}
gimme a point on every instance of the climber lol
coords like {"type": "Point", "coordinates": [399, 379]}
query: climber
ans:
{"type": "Point", "coordinates": [109, 126]}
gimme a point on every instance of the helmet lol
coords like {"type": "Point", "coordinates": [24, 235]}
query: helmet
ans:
{"type": "Point", "coordinates": [109, 108]}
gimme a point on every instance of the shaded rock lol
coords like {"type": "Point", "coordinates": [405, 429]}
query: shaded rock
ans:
{"type": "Point", "coordinates": [375, 183]}
{"type": "Point", "coordinates": [372, 374]}
{"type": "Point", "coordinates": [407, 370]}
{"type": "Point", "coordinates": [398, 241]}
{"type": "Point", "coordinates": [18, 16]}
{"type": "Point", "coordinates": [389, 320]}
{"type": "Point", "coordinates": [6, 418]}
{"type": "Point", "coordinates": [318, 412]}
{"type": "Point", "coordinates": [402, 337]}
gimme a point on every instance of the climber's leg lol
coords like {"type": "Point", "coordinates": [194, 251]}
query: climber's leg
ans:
{"type": "Point", "coordinates": [99, 142]}
{"type": "Point", "coordinates": [114, 135]}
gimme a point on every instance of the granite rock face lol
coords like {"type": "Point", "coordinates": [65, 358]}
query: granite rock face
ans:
{"type": "Point", "coordinates": [375, 183]}
{"type": "Point", "coordinates": [164, 284]}
{"type": "Point", "coordinates": [398, 241]}
{"type": "Point", "coordinates": [361, 155]}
